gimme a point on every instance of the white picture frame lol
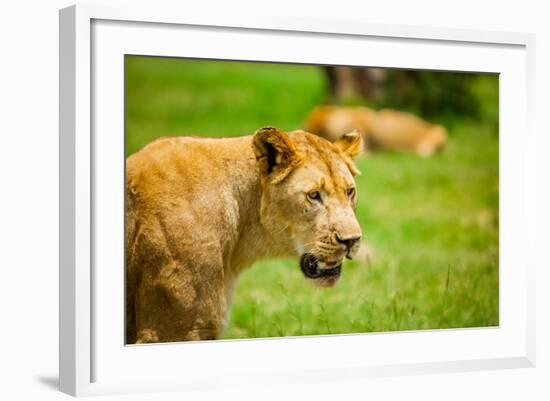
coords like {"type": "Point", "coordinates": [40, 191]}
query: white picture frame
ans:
{"type": "Point", "coordinates": [94, 360]}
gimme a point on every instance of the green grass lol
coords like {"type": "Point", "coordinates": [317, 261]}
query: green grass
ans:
{"type": "Point", "coordinates": [175, 97]}
{"type": "Point", "coordinates": [432, 223]}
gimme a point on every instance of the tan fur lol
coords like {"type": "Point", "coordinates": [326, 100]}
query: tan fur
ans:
{"type": "Point", "coordinates": [199, 211]}
{"type": "Point", "coordinates": [384, 129]}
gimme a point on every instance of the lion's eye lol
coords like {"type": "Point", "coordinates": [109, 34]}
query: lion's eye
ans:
{"type": "Point", "coordinates": [351, 192]}
{"type": "Point", "coordinates": [314, 196]}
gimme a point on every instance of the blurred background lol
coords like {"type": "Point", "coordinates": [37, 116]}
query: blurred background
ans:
{"type": "Point", "coordinates": [431, 223]}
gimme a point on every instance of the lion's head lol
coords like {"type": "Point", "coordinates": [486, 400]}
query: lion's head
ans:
{"type": "Point", "coordinates": [309, 197]}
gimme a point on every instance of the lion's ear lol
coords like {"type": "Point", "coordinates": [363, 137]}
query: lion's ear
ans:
{"type": "Point", "coordinates": [275, 152]}
{"type": "Point", "coordinates": [350, 144]}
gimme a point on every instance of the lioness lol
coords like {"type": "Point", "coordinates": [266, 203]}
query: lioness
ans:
{"type": "Point", "coordinates": [199, 211]}
{"type": "Point", "coordinates": [384, 129]}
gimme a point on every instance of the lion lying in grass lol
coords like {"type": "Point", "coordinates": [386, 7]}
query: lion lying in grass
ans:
{"type": "Point", "coordinates": [384, 129]}
{"type": "Point", "coordinates": [199, 211]}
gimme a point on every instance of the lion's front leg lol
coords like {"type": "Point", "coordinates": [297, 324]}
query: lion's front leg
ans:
{"type": "Point", "coordinates": [186, 301]}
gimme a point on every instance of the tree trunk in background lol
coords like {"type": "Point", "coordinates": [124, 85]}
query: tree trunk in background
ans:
{"type": "Point", "coordinates": [347, 82]}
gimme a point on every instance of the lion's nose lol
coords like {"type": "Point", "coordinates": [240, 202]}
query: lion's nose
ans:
{"type": "Point", "coordinates": [348, 241]}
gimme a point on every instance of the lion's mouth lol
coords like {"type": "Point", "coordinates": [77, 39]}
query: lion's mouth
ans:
{"type": "Point", "coordinates": [311, 269]}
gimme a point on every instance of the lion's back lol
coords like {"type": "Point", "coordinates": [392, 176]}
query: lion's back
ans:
{"type": "Point", "coordinates": [331, 122]}
{"type": "Point", "coordinates": [185, 186]}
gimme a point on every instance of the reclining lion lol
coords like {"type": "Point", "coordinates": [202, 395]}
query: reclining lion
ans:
{"type": "Point", "coordinates": [199, 211]}
{"type": "Point", "coordinates": [383, 129]}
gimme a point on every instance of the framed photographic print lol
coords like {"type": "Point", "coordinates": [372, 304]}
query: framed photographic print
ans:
{"type": "Point", "coordinates": [265, 200]}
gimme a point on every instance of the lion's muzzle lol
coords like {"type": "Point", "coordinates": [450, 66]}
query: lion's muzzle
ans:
{"type": "Point", "coordinates": [350, 243]}
{"type": "Point", "coordinates": [310, 267]}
